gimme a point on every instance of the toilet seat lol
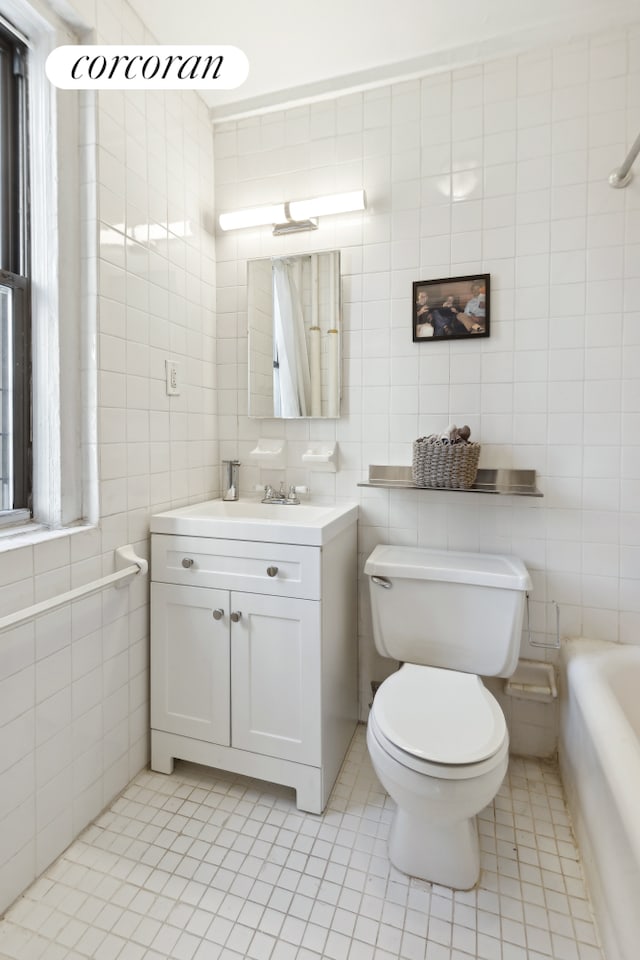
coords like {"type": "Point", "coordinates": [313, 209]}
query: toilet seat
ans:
{"type": "Point", "coordinates": [439, 722]}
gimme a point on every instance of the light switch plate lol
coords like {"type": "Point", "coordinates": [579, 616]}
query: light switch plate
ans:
{"type": "Point", "coordinates": [172, 368]}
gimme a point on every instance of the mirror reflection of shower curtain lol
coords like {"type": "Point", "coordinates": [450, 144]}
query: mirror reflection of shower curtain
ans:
{"type": "Point", "coordinates": [291, 378]}
{"type": "Point", "coordinates": [315, 366]}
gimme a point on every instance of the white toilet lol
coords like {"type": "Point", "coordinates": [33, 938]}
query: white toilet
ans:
{"type": "Point", "coordinates": [436, 736]}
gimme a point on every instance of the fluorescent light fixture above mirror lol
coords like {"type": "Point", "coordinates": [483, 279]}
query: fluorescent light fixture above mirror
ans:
{"type": "Point", "coordinates": [255, 217]}
{"type": "Point", "coordinates": [296, 214]}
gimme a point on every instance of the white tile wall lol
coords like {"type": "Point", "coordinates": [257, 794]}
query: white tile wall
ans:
{"type": "Point", "coordinates": [498, 168]}
{"type": "Point", "coordinates": [74, 686]}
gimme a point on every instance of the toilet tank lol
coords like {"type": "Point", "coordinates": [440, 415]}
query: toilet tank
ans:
{"type": "Point", "coordinates": [441, 608]}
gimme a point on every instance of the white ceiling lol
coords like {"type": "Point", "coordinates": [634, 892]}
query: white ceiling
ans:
{"type": "Point", "coordinates": [305, 48]}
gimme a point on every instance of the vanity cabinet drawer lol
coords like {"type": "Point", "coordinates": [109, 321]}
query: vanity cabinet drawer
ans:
{"type": "Point", "coordinates": [277, 569]}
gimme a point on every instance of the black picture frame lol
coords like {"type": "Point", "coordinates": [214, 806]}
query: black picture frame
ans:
{"type": "Point", "coordinates": [439, 308]}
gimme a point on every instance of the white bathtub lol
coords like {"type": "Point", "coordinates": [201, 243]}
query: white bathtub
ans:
{"type": "Point", "coordinates": [600, 766]}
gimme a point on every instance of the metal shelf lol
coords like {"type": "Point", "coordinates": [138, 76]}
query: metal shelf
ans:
{"type": "Point", "coordinates": [518, 483]}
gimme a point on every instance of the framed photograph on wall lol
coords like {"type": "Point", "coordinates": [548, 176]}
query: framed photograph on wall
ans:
{"type": "Point", "coordinates": [452, 309]}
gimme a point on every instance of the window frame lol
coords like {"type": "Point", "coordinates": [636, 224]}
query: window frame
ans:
{"type": "Point", "coordinates": [63, 268]}
{"type": "Point", "coordinates": [14, 275]}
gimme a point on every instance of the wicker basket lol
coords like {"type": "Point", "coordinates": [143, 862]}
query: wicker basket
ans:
{"type": "Point", "coordinates": [450, 466]}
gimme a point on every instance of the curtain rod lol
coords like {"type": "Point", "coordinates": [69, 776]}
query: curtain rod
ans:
{"type": "Point", "coordinates": [623, 175]}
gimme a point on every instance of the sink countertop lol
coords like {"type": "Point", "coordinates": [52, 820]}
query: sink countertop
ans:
{"type": "Point", "coordinates": [246, 519]}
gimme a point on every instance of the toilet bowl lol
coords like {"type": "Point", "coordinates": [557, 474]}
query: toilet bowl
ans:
{"type": "Point", "coordinates": [439, 779]}
{"type": "Point", "coordinates": [436, 736]}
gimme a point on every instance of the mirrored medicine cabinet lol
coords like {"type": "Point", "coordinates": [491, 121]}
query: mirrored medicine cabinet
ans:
{"type": "Point", "coordinates": [294, 327]}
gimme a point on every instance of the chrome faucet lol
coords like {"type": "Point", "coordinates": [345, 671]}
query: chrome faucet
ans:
{"type": "Point", "coordinates": [281, 496]}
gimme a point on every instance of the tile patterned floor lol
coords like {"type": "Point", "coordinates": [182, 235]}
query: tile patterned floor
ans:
{"type": "Point", "coordinates": [205, 865]}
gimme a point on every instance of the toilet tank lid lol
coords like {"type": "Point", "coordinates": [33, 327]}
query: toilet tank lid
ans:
{"type": "Point", "coordinates": [423, 563]}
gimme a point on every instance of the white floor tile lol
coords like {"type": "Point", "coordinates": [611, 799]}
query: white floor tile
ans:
{"type": "Point", "coordinates": [205, 865]}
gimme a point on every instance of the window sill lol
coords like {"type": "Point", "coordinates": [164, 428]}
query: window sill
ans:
{"type": "Point", "coordinates": [32, 533]}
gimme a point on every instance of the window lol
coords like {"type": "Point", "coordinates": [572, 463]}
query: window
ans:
{"type": "Point", "coordinates": [48, 271]}
{"type": "Point", "coordinates": [15, 322]}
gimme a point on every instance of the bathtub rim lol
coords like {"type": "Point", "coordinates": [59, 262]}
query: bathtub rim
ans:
{"type": "Point", "coordinates": [586, 696]}
{"type": "Point", "coordinates": [614, 739]}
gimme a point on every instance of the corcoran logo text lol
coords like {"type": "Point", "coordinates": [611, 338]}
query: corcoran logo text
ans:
{"type": "Point", "coordinates": [134, 67]}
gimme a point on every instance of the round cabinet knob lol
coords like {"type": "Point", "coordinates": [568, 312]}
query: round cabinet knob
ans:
{"type": "Point", "coordinates": [235, 616]}
{"type": "Point", "coordinates": [187, 562]}
{"type": "Point", "coordinates": [272, 571]}
{"type": "Point", "coordinates": [218, 614]}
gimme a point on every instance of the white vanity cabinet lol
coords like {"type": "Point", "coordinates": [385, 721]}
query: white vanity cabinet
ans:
{"type": "Point", "coordinates": [253, 657]}
{"type": "Point", "coordinates": [250, 682]}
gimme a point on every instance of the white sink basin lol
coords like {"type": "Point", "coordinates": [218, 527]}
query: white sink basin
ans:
{"type": "Point", "coordinates": [300, 523]}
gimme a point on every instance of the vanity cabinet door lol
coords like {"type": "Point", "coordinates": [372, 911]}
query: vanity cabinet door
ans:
{"type": "Point", "coordinates": [190, 662]}
{"type": "Point", "coordinates": [275, 676]}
